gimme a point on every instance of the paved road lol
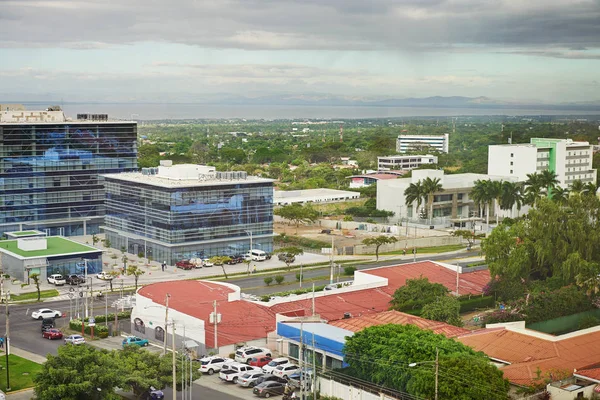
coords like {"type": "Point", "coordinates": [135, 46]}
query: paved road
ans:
{"type": "Point", "coordinates": [25, 332]}
{"type": "Point", "coordinates": [256, 285]}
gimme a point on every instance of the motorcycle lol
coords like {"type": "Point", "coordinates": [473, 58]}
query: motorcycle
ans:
{"type": "Point", "coordinates": [100, 296]}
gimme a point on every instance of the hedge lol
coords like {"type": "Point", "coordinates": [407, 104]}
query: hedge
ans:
{"type": "Point", "coordinates": [100, 331]}
{"type": "Point", "coordinates": [111, 316]}
{"type": "Point", "coordinates": [475, 303]}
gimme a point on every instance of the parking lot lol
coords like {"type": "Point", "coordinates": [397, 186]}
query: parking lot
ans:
{"type": "Point", "coordinates": [231, 389]}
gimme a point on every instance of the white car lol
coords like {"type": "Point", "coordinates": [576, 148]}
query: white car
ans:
{"type": "Point", "coordinates": [248, 379]}
{"type": "Point", "coordinates": [283, 371]}
{"type": "Point", "coordinates": [105, 276]}
{"type": "Point", "coordinates": [74, 339]}
{"type": "Point", "coordinates": [206, 263]}
{"type": "Point", "coordinates": [210, 365]}
{"type": "Point", "coordinates": [234, 371]}
{"type": "Point", "coordinates": [245, 354]}
{"type": "Point", "coordinates": [46, 313]}
{"type": "Point", "coordinates": [274, 363]}
{"type": "Point", "coordinates": [57, 279]}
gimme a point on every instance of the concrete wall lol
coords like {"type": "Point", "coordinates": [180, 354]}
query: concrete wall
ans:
{"type": "Point", "coordinates": [556, 393]}
{"type": "Point", "coordinates": [524, 160]}
{"type": "Point", "coordinates": [410, 243]}
{"type": "Point", "coordinates": [328, 387]}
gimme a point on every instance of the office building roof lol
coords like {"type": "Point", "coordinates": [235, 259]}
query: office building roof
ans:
{"type": "Point", "coordinates": [324, 330]}
{"type": "Point", "coordinates": [55, 246]}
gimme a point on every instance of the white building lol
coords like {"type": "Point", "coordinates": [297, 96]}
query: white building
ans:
{"type": "Point", "coordinates": [439, 143]}
{"type": "Point", "coordinates": [570, 160]}
{"type": "Point", "coordinates": [453, 202]}
{"type": "Point", "coordinates": [407, 162]}
{"type": "Point", "coordinates": [287, 197]}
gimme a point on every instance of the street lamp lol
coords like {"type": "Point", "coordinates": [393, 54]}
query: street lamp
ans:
{"type": "Point", "coordinates": [437, 368]}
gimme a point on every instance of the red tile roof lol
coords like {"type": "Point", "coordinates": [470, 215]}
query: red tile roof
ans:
{"type": "Point", "coordinates": [590, 373]}
{"type": "Point", "coordinates": [526, 353]}
{"type": "Point", "coordinates": [469, 283]}
{"type": "Point", "coordinates": [397, 317]}
{"type": "Point", "coordinates": [241, 320]}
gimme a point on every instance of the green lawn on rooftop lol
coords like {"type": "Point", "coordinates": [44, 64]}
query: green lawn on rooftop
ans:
{"type": "Point", "coordinates": [24, 233]}
{"type": "Point", "coordinates": [56, 245]}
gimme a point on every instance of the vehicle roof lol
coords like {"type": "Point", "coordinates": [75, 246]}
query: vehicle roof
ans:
{"type": "Point", "coordinates": [280, 359]}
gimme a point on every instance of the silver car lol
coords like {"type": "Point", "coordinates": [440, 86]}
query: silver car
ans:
{"type": "Point", "coordinates": [249, 378]}
{"type": "Point", "coordinates": [74, 339]}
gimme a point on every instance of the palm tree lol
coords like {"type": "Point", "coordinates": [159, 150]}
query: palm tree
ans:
{"type": "Point", "coordinates": [430, 187]}
{"type": "Point", "coordinates": [512, 194]}
{"type": "Point", "coordinates": [560, 195]}
{"type": "Point", "coordinates": [533, 188]}
{"type": "Point", "coordinates": [577, 187]}
{"type": "Point", "coordinates": [548, 180]}
{"type": "Point", "coordinates": [414, 194]}
{"type": "Point", "coordinates": [590, 188]}
{"type": "Point", "coordinates": [479, 194]}
{"type": "Point", "coordinates": [495, 192]}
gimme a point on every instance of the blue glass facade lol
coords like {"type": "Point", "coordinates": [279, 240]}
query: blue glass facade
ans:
{"type": "Point", "coordinates": [49, 173]}
{"type": "Point", "coordinates": [175, 223]}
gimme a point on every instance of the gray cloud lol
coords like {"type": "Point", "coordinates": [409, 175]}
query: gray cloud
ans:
{"type": "Point", "coordinates": [306, 24]}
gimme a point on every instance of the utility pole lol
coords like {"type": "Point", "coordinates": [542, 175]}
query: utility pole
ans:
{"type": "Point", "coordinates": [106, 309]}
{"type": "Point", "coordinates": [437, 370]}
{"type": "Point", "coordinates": [216, 322]}
{"type": "Point", "coordinates": [7, 340]}
{"type": "Point", "coordinates": [167, 296]}
{"type": "Point", "coordinates": [183, 368]}
{"type": "Point", "coordinates": [174, 362]}
{"type": "Point", "coordinates": [415, 246]}
{"type": "Point", "coordinates": [313, 299]}
{"type": "Point", "coordinates": [314, 377]}
{"type": "Point", "coordinates": [331, 274]}
{"type": "Point", "coordinates": [302, 372]}
{"type": "Point", "coordinates": [92, 296]}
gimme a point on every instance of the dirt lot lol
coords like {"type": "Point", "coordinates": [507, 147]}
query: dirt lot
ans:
{"type": "Point", "coordinates": [314, 232]}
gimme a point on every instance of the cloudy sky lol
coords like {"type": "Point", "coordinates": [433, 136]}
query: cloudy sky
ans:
{"type": "Point", "coordinates": [180, 50]}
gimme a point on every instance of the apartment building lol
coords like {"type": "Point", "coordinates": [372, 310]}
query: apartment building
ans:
{"type": "Point", "coordinates": [414, 143]}
{"type": "Point", "coordinates": [408, 162]}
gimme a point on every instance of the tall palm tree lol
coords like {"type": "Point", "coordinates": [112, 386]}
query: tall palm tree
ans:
{"type": "Point", "coordinates": [560, 195]}
{"type": "Point", "coordinates": [533, 188]}
{"type": "Point", "coordinates": [430, 187]}
{"type": "Point", "coordinates": [577, 187]}
{"type": "Point", "coordinates": [414, 194]}
{"type": "Point", "coordinates": [548, 180]}
{"type": "Point", "coordinates": [512, 194]}
{"type": "Point", "coordinates": [590, 189]}
{"type": "Point", "coordinates": [479, 194]}
{"type": "Point", "coordinates": [495, 193]}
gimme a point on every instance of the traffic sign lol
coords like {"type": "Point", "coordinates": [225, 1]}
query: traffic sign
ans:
{"type": "Point", "coordinates": [91, 322]}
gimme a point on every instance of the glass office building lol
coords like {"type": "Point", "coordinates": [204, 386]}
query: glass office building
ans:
{"type": "Point", "coordinates": [172, 213]}
{"type": "Point", "coordinates": [50, 169]}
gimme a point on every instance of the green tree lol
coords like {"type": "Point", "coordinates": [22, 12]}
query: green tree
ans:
{"type": "Point", "coordinates": [378, 242]}
{"type": "Point", "coordinates": [534, 189]}
{"type": "Point", "coordinates": [79, 373]}
{"type": "Point", "coordinates": [148, 156]}
{"type": "Point", "coordinates": [382, 354]}
{"type": "Point", "coordinates": [414, 194]}
{"type": "Point", "coordinates": [95, 239]}
{"type": "Point", "coordinates": [430, 187]}
{"type": "Point", "coordinates": [297, 213]}
{"type": "Point", "coordinates": [495, 192]}
{"type": "Point", "coordinates": [268, 280]}
{"type": "Point", "coordinates": [136, 272]}
{"type": "Point", "coordinates": [221, 260]}
{"type": "Point", "coordinates": [466, 235]}
{"type": "Point", "coordinates": [444, 309]}
{"type": "Point", "coordinates": [482, 195]}
{"type": "Point", "coordinates": [279, 279]}
{"type": "Point", "coordinates": [289, 254]}
{"type": "Point", "coordinates": [36, 281]}
{"type": "Point", "coordinates": [416, 293]}
{"type": "Point", "coordinates": [590, 189]}
{"type": "Point", "coordinates": [560, 195]}
{"type": "Point", "coordinates": [548, 180]}
{"type": "Point", "coordinates": [512, 195]}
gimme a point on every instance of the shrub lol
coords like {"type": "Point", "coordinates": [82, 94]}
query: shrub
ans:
{"type": "Point", "coordinates": [501, 316]}
{"type": "Point", "coordinates": [268, 280]}
{"type": "Point", "coordinates": [349, 271]}
{"type": "Point", "coordinates": [546, 305]}
{"type": "Point", "coordinates": [298, 276]}
{"type": "Point", "coordinates": [474, 303]}
{"type": "Point", "coordinates": [100, 331]}
{"type": "Point", "coordinates": [279, 279]}
{"type": "Point", "coordinates": [348, 218]}
{"type": "Point", "coordinates": [284, 240]}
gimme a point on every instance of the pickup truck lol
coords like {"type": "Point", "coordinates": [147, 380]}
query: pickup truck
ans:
{"type": "Point", "coordinates": [57, 279]}
{"type": "Point", "coordinates": [184, 264]}
{"type": "Point", "coordinates": [234, 371]}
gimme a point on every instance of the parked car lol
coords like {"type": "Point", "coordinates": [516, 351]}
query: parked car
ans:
{"type": "Point", "coordinates": [57, 279]}
{"type": "Point", "coordinates": [74, 339]}
{"type": "Point", "coordinates": [47, 323]}
{"type": "Point", "coordinates": [135, 341]}
{"type": "Point", "coordinates": [75, 279]}
{"type": "Point", "coordinates": [260, 361]}
{"type": "Point", "coordinates": [267, 255]}
{"type": "Point", "coordinates": [206, 263]}
{"type": "Point", "coordinates": [52, 334]}
{"type": "Point", "coordinates": [237, 259]}
{"type": "Point", "coordinates": [210, 365]}
{"type": "Point", "coordinates": [268, 369]}
{"type": "Point", "coordinates": [298, 376]}
{"type": "Point", "coordinates": [185, 264]}
{"type": "Point", "coordinates": [269, 378]}
{"type": "Point", "coordinates": [268, 389]}
{"type": "Point", "coordinates": [246, 354]}
{"type": "Point", "coordinates": [285, 370]}
{"type": "Point", "coordinates": [105, 276]}
{"type": "Point", "coordinates": [45, 313]}
{"type": "Point", "coordinates": [153, 394]}
{"type": "Point", "coordinates": [197, 262]}
{"type": "Point", "coordinates": [234, 371]}
{"type": "Point", "coordinates": [249, 378]}
{"type": "Point", "coordinates": [286, 257]}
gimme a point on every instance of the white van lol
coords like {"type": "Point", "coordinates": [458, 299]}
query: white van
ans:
{"type": "Point", "coordinates": [256, 255]}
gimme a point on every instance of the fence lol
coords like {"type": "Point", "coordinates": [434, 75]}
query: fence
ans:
{"type": "Point", "coordinates": [345, 387]}
{"type": "Point", "coordinates": [561, 325]}
{"type": "Point", "coordinates": [410, 243]}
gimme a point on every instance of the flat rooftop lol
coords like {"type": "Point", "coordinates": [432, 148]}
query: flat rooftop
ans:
{"type": "Point", "coordinates": [26, 233]}
{"type": "Point", "coordinates": [309, 193]}
{"type": "Point", "coordinates": [166, 182]}
{"type": "Point", "coordinates": [56, 245]}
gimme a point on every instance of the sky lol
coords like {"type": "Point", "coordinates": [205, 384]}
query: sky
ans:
{"type": "Point", "coordinates": [544, 51]}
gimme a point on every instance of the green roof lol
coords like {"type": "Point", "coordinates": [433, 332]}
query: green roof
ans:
{"type": "Point", "coordinates": [25, 233]}
{"type": "Point", "coordinates": [56, 245]}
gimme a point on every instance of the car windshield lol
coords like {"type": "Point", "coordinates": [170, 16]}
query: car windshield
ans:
{"type": "Point", "coordinates": [205, 362]}
{"type": "Point", "coordinates": [273, 364]}
{"type": "Point", "coordinates": [246, 376]}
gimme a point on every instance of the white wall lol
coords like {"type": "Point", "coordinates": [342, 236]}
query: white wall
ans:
{"type": "Point", "coordinates": [328, 387]}
{"type": "Point", "coordinates": [524, 160]}
{"type": "Point", "coordinates": [557, 393]}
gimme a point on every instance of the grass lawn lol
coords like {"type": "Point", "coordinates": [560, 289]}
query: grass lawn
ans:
{"type": "Point", "coordinates": [21, 372]}
{"type": "Point", "coordinates": [430, 250]}
{"type": "Point", "coordinates": [33, 295]}
{"type": "Point", "coordinates": [56, 245]}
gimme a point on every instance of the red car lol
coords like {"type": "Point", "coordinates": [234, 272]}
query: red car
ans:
{"type": "Point", "coordinates": [52, 334]}
{"type": "Point", "coordinates": [185, 264]}
{"type": "Point", "coordinates": [260, 361]}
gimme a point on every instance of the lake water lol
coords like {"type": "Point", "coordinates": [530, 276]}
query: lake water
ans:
{"type": "Point", "coordinates": [150, 111]}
